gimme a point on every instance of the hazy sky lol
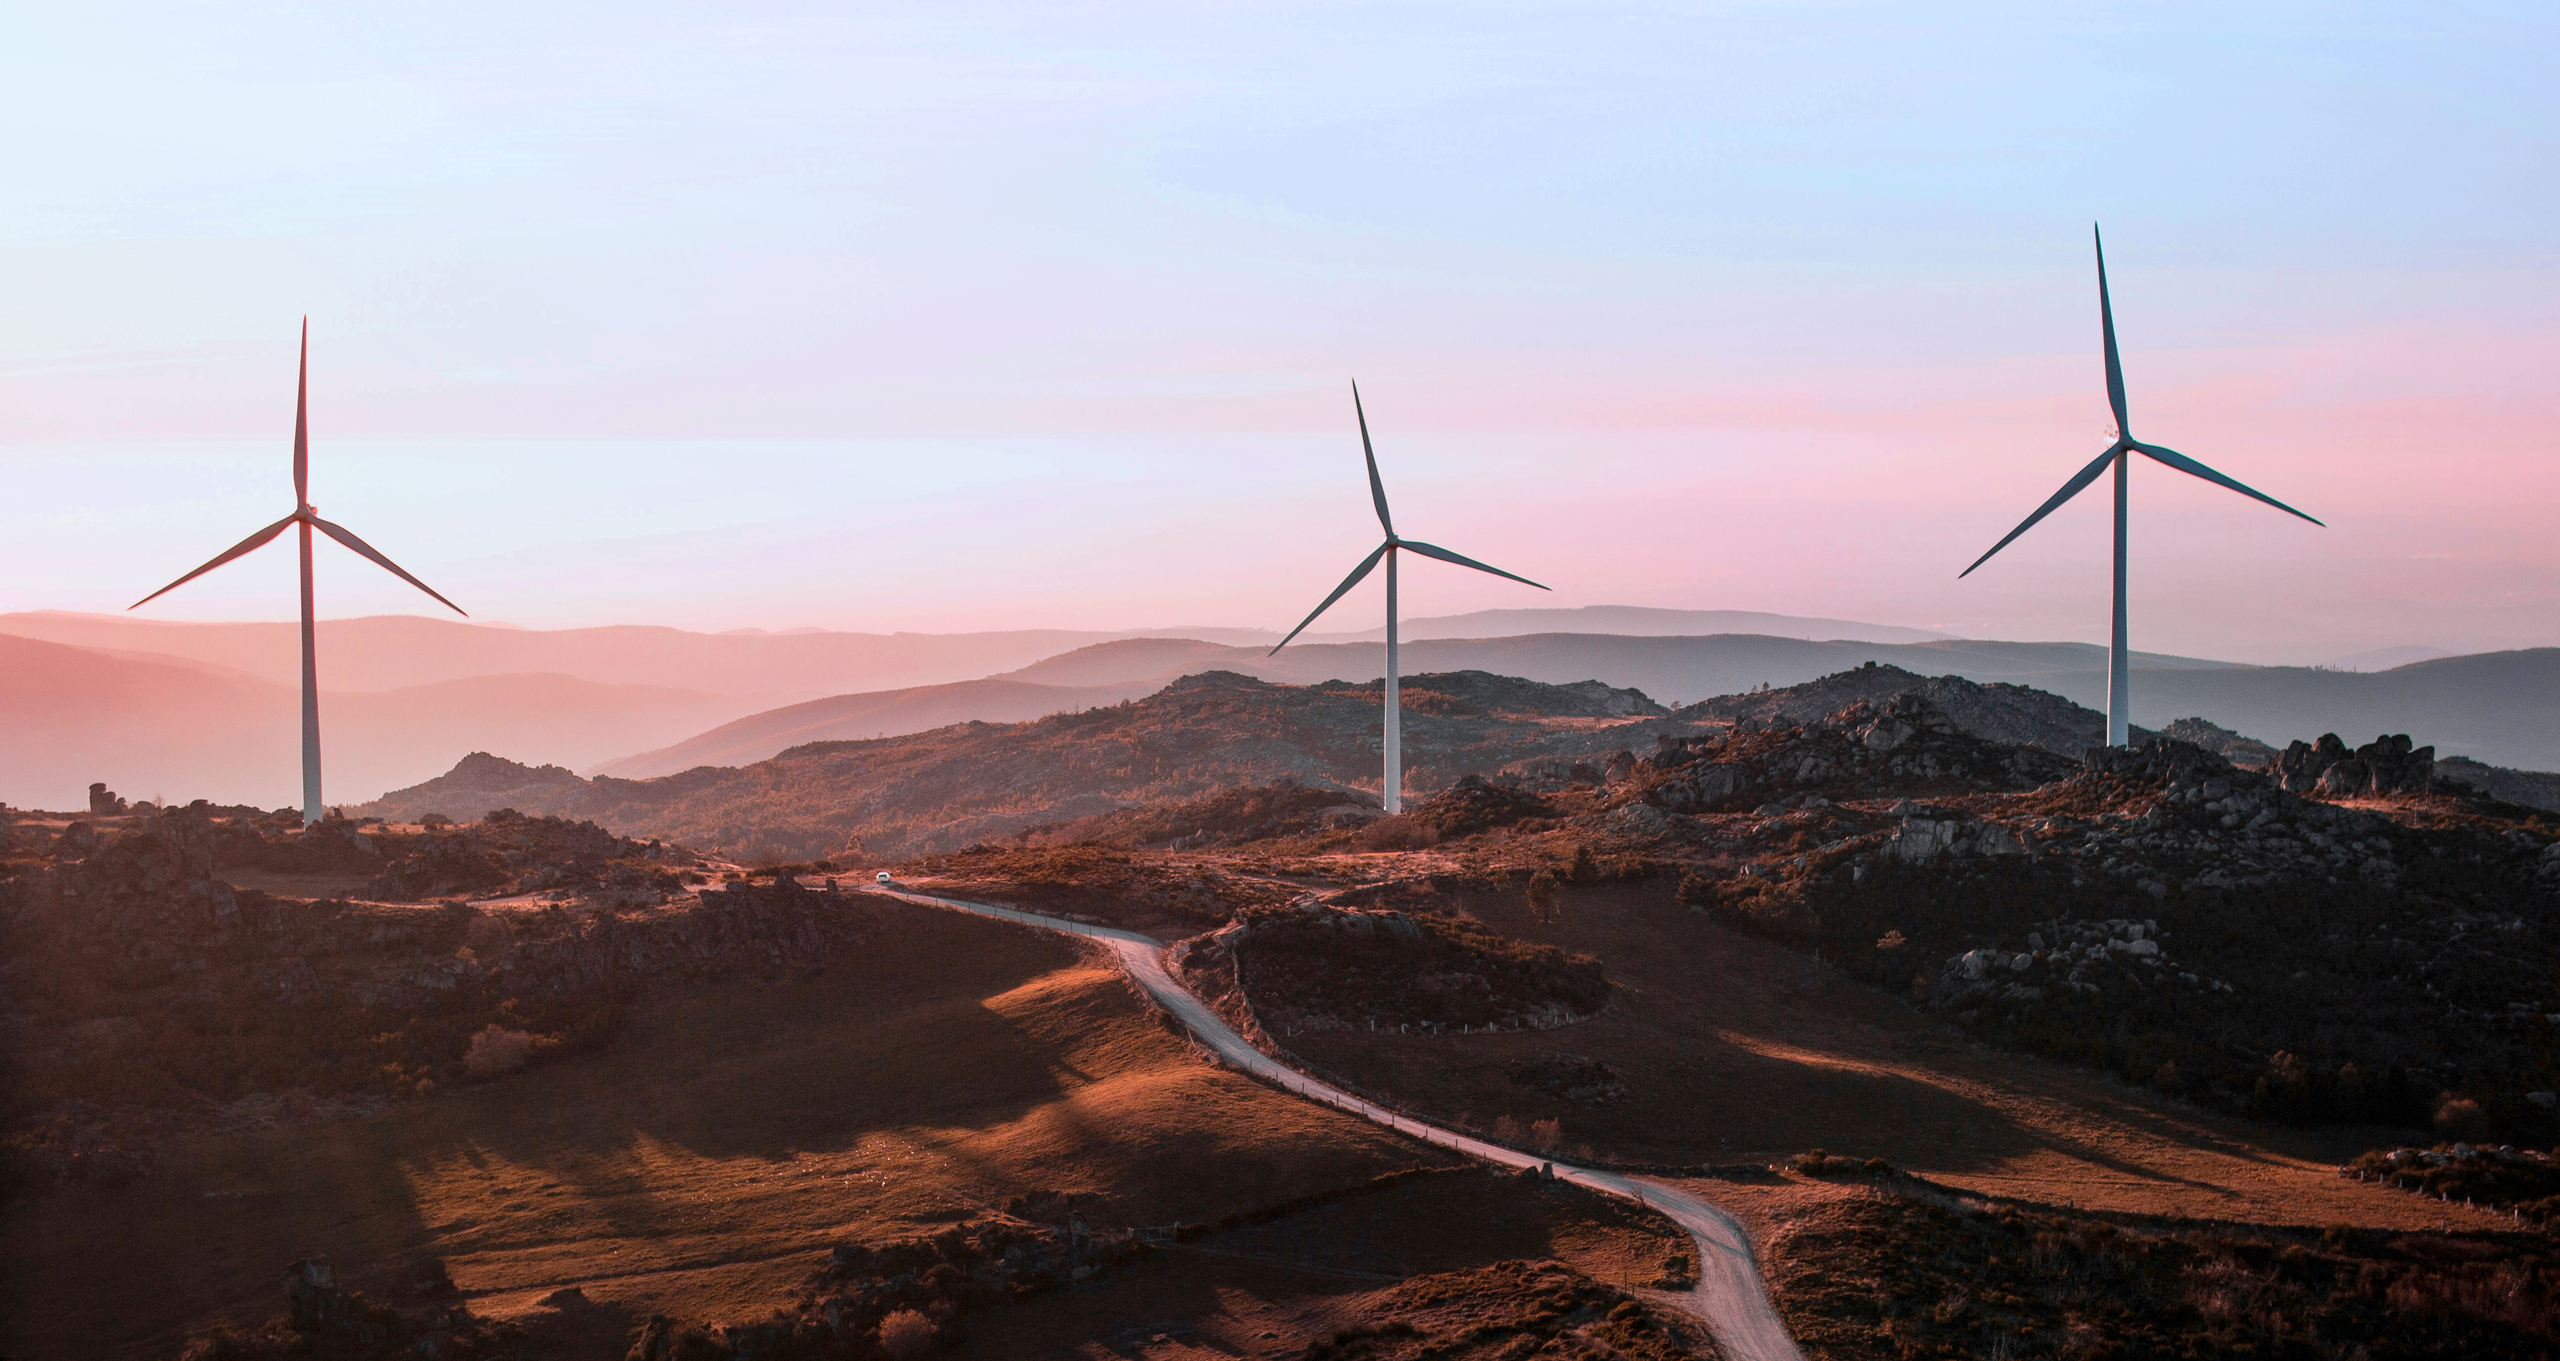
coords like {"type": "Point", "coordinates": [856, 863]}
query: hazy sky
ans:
{"type": "Point", "coordinates": [978, 316]}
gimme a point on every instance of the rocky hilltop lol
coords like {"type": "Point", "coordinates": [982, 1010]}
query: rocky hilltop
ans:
{"type": "Point", "coordinates": [1999, 711]}
{"type": "Point", "coordinates": [972, 782]}
{"type": "Point", "coordinates": [2335, 938]}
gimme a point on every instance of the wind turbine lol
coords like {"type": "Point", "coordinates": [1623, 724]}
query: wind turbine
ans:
{"type": "Point", "coordinates": [307, 517]}
{"type": "Point", "coordinates": [1393, 789]}
{"type": "Point", "coordinates": [2120, 455]}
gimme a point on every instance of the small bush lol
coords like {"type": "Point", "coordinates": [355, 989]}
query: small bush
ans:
{"type": "Point", "coordinates": [1817, 1163]}
{"type": "Point", "coordinates": [2459, 1117]}
{"type": "Point", "coordinates": [906, 1333]}
{"type": "Point", "coordinates": [1399, 833]}
{"type": "Point", "coordinates": [496, 1050]}
{"type": "Point", "coordinates": [1697, 890]}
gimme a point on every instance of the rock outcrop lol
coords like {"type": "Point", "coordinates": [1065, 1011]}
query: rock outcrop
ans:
{"type": "Point", "coordinates": [2389, 764]}
{"type": "Point", "coordinates": [325, 1319]}
{"type": "Point", "coordinates": [1902, 744]}
{"type": "Point", "coordinates": [2213, 737]}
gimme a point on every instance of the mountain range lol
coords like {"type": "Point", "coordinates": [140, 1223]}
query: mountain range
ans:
{"type": "Point", "coordinates": [2491, 706]}
{"type": "Point", "coordinates": [940, 790]}
{"type": "Point", "coordinates": [207, 710]}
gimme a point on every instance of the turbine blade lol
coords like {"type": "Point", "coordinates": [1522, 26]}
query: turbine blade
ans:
{"type": "Point", "coordinates": [1377, 489]}
{"type": "Point", "coordinates": [2107, 323]}
{"type": "Point", "coordinates": [1443, 554]}
{"type": "Point", "coordinates": [247, 545]}
{"type": "Point", "coordinates": [1366, 564]}
{"type": "Point", "coordinates": [343, 536]}
{"type": "Point", "coordinates": [302, 423]}
{"type": "Point", "coordinates": [2078, 483]}
{"type": "Point", "coordinates": [2187, 465]}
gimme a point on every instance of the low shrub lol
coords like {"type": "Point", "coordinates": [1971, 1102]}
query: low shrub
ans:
{"type": "Point", "coordinates": [495, 1050]}
{"type": "Point", "coordinates": [906, 1333]}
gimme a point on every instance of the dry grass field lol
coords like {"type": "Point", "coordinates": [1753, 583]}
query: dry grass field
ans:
{"type": "Point", "coordinates": [702, 1163]}
{"type": "Point", "coordinates": [1364, 1265]}
{"type": "Point", "coordinates": [1729, 1049]}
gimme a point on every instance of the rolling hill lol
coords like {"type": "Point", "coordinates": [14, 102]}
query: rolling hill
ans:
{"type": "Point", "coordinates": [883, 713]}
{"type": "Point", "coordinates": [152, 726]}
{"type": "Point", "coordinates": [387, 651]}
{"type": "Point", "coordinates": [903, 796]}
{"type": "Point", "coordinates": [1634, 621]}
{"type": "Point", "coordinates": [2489, 706]}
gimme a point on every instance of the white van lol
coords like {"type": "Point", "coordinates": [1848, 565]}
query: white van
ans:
{"type": "Point", "coordinates": [884, 876]}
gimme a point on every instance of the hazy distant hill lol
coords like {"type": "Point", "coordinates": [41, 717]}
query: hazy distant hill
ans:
{"type": "Point", "coordinates": [2491, 706]}
{"type": "Point", "coordinates": [1634, 621]}
{"type": "Point", "coordinates": [381, 652]}
{"type": "Point", "coordinates": [1108, 672]}
{"type": "Point", "coordinates": [1684, 670]}
{"type": "Point", "coordinates": [983, 781]}
{"type": "Point", "coordinates": [2531, 788]}
{"type": "Point", "coordinates": [2502, 708]}
{"type": "Point", "coordinates": [879, 713]}
{"type": "Point", "coordinates": [658, 693]}
{"type": "Point", "coordinates": [385, 651]}
{"type": "Point", "coordinates": [187, 729]}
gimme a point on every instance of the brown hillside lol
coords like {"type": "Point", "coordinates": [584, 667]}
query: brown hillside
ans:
{"type": "Point", "coordinates": [946, 789]}
{"type": "Point", "coordinates": [704, 1162]}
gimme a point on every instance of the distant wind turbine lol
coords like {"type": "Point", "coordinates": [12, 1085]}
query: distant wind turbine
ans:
{"type": "Point", "coordinates": [1393, 797]}
{"type": "Point", "coordinates": [308, 518]}
{"type": "Point", "coordinates": [2119, 663]}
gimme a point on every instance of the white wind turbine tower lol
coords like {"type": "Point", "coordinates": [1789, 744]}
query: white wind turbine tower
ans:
{"type": "Point", "coordinates": [307, 517]}
{"type": "Point", "coordinates": [2119, 455]}
{"type": "Point", "coordinates": [1392, 797]}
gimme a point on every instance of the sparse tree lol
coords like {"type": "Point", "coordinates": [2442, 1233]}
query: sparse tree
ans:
{"type": "Point", "coordinates": [1542, 897]}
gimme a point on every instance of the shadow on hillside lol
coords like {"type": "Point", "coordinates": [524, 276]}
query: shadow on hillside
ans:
{"type": "Point", "coordinates": [1735, 1049]}
{"type": "Point", "coordinates": [673, 1141]}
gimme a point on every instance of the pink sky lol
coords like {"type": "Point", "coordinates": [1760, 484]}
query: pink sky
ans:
{"type": "Point", "coordinates": [1010, 317]}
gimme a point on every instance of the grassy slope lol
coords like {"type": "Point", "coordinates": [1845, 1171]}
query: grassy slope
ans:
{"type": "Point", "coordinates": [702, 1164]}
{"type": "Point", "coordinates": [1733, 1050]}
{"type": "Point", "coordinates": [1268, 1292]}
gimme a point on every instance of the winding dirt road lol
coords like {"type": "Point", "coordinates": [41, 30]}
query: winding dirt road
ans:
{"type": "Point", "coordinates": [1729, 1297]}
